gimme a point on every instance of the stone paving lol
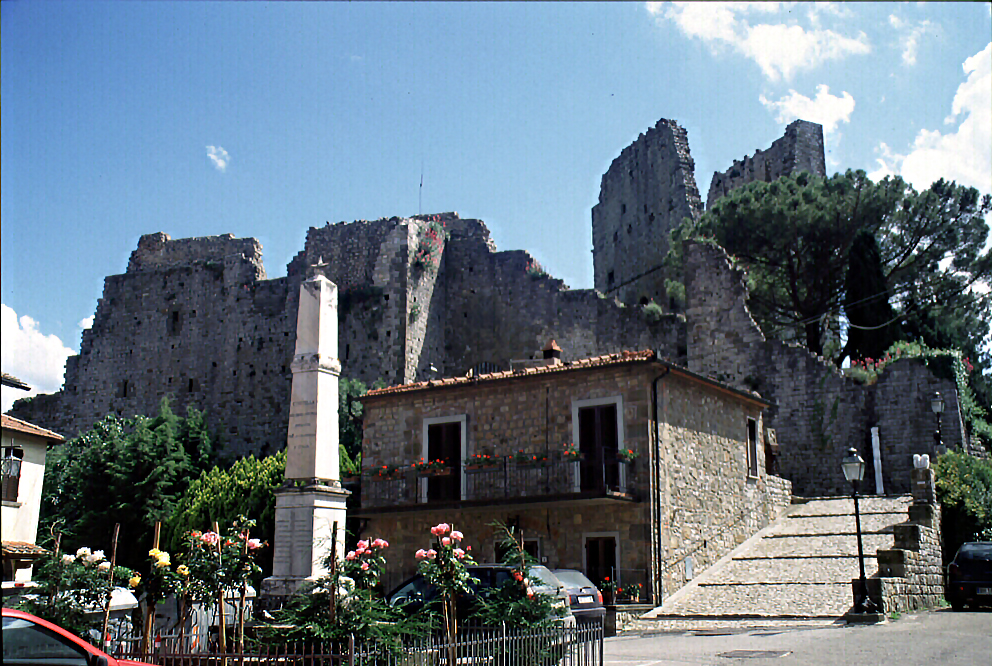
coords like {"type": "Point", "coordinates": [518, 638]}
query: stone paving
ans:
{"type": "Point", "coordinates": [798, 570]}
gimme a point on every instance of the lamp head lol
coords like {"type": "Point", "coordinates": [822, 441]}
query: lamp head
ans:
{"type": "Point", "coordinates": [937, 403]}
{"type": "Point", "coordinates": [853, 466]}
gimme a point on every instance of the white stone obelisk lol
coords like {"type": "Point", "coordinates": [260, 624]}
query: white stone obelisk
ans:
{"type": "Point", "coordinates": [311, 500]}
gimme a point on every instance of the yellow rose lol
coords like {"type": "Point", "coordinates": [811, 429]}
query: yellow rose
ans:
{"type": "Point", "coordinates": [154, 552]}
{"type": "Point", "coordinates": [135, 581]}
{"type": "Point", "coordinates": [182, 570]}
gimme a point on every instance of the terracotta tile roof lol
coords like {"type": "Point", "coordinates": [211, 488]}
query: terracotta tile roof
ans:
{"type": "Point", "coordinates": [21, 549]}
{"type": "Point", "coordinates": [605, 360]}
{"type": "Point", "coordinates": [10, 423]}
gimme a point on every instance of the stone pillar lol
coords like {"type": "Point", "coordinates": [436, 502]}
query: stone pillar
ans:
{"type": "Point", "coordinates": [311, 500]}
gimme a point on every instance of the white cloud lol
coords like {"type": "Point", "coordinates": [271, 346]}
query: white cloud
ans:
{"type": "Point", "coordinates": [826, 109]}
{"type": "Point", "coordinates": [780, 48]}
{"type": "Point", "coordinates": [963, 155]}
{"type": "Point", "coordinates": [30, 355]}
{"type": "Point", "coordinates": [85, 323]}
{"type": "Point", "coordinates": [219, 157]}
{"type": "Point", "coordinates": [909, 36]}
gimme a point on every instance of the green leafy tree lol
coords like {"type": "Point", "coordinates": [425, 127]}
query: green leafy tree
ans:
{"type": "Point", "coordinates": [795, 237]}
{"type": "Point", "coordinates": [128, 471]}
{"type": "Point", "coordinates": [220, 495]}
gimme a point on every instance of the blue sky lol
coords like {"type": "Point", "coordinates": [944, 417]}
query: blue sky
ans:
{"type": "Point", "coordinates": [262, 120]}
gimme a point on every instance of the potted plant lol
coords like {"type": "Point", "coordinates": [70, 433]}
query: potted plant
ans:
{"type": "Point", "coordinates": [384, 472]}
{"type": "Point", "coordinates": [431, 467]}
{"type": "Point", "coordinates": [525, 459]}
{"type": "Point", "coordinates": [627, 455]}
{"type": "Point", "coordinates": [570, 453]}
{"type": "Point", "coordinates": [608, 587]}
{"type": "Point", "coordinates": [481, 461]}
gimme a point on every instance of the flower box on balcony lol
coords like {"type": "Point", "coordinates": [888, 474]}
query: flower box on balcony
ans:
{"type": "Point", "coordinates": [474, 468]}
{"type": "Point", "coordinates": [434, 472]}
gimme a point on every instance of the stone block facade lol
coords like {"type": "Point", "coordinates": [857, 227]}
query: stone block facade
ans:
{"type": "Point", "coordinates": [910, 575]}
{"type": "Point", "coordinates": [800, 149]}
{"type": "Point", "coordinates": [647, 191]}
{"type": "Point", "coordinates": [689, 489]}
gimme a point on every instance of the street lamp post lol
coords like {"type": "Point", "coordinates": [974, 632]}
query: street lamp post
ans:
{"type": "Point", "coordinates": [853, 466]}
{"type": "Point", "coordinates": [937, 406]}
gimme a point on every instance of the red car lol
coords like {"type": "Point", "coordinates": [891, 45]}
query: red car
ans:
{"type": "Point", "coordinates": [30, 640]}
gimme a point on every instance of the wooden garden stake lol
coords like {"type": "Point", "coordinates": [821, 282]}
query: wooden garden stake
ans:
{"type": "Point", "coordinates": [110, 585]}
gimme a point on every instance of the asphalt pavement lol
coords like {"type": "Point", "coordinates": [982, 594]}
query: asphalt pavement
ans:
{"type": "Point", "coordinates": [933, 637]}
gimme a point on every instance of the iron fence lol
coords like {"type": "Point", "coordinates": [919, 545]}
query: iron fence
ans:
{"type": "Point", "coordinates": [580, 645]}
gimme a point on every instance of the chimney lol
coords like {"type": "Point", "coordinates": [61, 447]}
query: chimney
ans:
{"type": "Point", "coordinates": [552, 353]}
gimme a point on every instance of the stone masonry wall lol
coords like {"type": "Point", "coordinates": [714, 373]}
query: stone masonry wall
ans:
{"type": "Point", "coordinates": [910, 575]}
{"type": "Point", "coordinates": [533, 414]}
{"type": "Point", "coordinates": [800, 149]}
{"type": "Point", "coordinates": [195, 319]}
{"type": "Point", "coordinates": [647, 191]}
{"type": "Point", "coordinates": [709, 503]}
{"type": "Point", "coordinates": [817, 412]}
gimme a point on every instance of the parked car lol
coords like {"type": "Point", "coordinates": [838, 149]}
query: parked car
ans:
{"type": "Point", "coordinates": [584, 598]}
{"type": "Point", "coordinates": [415, 592]}
{"type": "Point", "coordinates": [30, 640]}
{"type": "Point", "coordinates": [969, 575]}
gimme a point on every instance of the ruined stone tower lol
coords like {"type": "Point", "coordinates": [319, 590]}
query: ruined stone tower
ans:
{"type": "Point", "coordinates": [800, 149]}
{"type": "Point", "coordinates": [647, 191]}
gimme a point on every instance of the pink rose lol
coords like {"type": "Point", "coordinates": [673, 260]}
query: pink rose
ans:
{"type": "Point", "coordinates": [457, 536]}
{"type": "Point", "coordinates": [365, 566]}
{"type": "Point", "coordinates": [362, 545]}
{"type": "Point", "coordinates": [254, 543]}
{"type": "Point", "coordinates": [440, 530]}
{"type": "Point", "coordinates": [446, 541]}
{"type": "Point", "coordinates": [210, 538]}
{"type": "Point", "coordinates": [421, 554]}
{"type": "Point", "coordinates": [380, 543]}
{"type": "Point", "coordinates": [351, 556]}
{"type": "Point", "coordinates": [431, 554]}
{"type": "Point", "coordinates": [459, 553]}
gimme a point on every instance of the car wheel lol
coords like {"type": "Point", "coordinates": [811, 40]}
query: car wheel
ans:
{"type": "Point", "coordinates": [958, 606]}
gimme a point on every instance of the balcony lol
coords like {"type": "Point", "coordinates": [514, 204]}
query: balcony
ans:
{"type": "Point", "coordinates": [507, 482]}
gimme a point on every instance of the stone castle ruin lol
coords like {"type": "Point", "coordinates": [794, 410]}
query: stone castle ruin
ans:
{"type": "Point", "coordinates": [197, 319]}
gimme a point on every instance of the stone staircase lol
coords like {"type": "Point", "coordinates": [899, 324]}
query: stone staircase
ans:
{"type": "Point", "coordinates": [799, 567]}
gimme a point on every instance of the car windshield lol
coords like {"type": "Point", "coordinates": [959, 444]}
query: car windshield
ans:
{"type": "Point", "coordinates": [572, 578]}
{"type": "Point", "coordinates": [546, 578]}
{"type": "Point", "coordinates": [975, 551]}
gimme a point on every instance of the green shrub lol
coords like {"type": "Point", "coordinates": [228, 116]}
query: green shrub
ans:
{"type": "Point", "coordinates": [964, 489]}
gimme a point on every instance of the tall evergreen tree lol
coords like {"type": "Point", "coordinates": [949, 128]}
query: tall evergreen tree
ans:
{"type": "Point", "coordinates": [873, 325]}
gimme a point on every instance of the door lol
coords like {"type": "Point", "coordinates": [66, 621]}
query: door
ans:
{"type": "Point", "coordinates": [598, 444]}
{"type": "Point", "coordinates": [601, 558]}
{"type": "Point", "coordinates": [444, 442]}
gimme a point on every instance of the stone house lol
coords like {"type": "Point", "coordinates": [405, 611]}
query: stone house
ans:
{"type": "Point", "coordinates": [697, 487]}
{"type": "Point", "coordinates": [24, 447]}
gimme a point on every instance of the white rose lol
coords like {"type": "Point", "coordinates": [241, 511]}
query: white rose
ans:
{"type": "Point", "coordinates": [83, 552]}
{"type": "Point", "coordinates": [68, 559]}
{"type": "Point", "coordinates": [103, 566]}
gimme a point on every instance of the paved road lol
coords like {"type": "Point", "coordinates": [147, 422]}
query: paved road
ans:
{"type": "Point", "coordinates": [937, 637]}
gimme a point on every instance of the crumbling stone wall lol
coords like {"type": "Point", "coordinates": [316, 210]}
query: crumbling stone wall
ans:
{"type": "Point", "coordinates": [196, 319]}
{"type": "Point", "coordinates": [800, 149]}
{"type": "Point", "coordinates": [647, 191]}
{"type": "Point", "coordinates": [817, 412]}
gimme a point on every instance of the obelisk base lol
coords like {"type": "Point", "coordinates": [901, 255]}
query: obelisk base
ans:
{"type": "Point", "coordinates": [305, 517]}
